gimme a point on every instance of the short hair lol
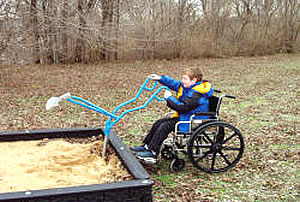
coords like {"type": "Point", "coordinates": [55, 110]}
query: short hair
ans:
{"type": "Point", "coordinates": [194, 72]}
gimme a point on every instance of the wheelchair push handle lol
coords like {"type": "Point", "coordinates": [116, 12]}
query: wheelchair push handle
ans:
{"type": "Point", "coordinates": [228, 96]}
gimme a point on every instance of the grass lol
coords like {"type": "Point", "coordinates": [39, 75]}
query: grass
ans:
{"type": "Point", "coordinates": [266, 111]}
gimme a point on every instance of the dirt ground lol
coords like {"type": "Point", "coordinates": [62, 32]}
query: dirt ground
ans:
{"type": "Point", "coordinates": [266, 111]}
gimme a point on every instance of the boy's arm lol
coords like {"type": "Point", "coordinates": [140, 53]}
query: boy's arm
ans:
{"type": "Point", "coordinates": [170, 82]}
{"type": "Point", "coordinates": [188, 104]}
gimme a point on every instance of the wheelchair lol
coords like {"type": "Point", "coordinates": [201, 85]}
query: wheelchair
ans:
{"type": "Point", "coordinates": [212, 145]}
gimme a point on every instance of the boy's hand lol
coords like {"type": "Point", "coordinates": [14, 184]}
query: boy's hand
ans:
{"type": "Point", "coordinates": [155, 77]}
{"type": "Point", "coordinates": [167, 94]}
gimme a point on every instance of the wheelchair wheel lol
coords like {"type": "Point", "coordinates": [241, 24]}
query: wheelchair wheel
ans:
{"type": "Point", "coordinates": [176, 165]}
{"type": "Point", "coordinates": [216, 147]}
{"type": "Point", "coordinates": [167, 152]}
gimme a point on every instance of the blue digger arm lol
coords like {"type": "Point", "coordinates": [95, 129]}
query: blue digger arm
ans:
{"type": "Point", "coordinates": [84, 103]}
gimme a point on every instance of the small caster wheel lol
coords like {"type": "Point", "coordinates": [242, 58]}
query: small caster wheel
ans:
{"type": "Point", "coordinates": [167, 153]}
{"type": "Point", "coordinates": [176, 165]}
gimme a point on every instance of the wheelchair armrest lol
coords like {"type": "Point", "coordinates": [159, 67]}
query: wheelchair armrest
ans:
{"type": "Point", "coordinates": [205, 114]}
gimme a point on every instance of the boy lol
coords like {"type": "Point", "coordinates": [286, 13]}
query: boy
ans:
{"type": "Point", "coordinates": [192, 97]}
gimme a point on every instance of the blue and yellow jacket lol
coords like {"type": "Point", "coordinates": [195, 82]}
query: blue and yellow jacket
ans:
{"type": "Point", "coordinates": [188, 101]}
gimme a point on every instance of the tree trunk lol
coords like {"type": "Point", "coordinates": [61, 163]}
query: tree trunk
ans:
{"type": "Point", "coordinates": [64, 19]}
{"type": "Point", "coordinates": [107, 26]}
{"type": "Point", "coordinates": [117, 25]}
{"type": "Point", "coordinates": [103, 38]}
{"type": "Point", "coordinates": [80, 46]}
{"type": "Point", "coordinates": [34, 23]}
{"type": "Point", "coordinates": [180, 24]}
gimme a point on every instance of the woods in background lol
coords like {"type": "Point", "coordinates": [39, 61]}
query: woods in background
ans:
{"type": "Point", "coordinates": [62, 31]}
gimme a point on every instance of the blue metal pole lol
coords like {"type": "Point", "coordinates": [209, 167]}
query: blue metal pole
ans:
{"type": "Point", "coordinates": [110, 123]}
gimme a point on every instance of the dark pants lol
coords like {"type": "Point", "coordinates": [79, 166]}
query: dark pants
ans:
{"type": "Point", "coordinates": [159, 132]}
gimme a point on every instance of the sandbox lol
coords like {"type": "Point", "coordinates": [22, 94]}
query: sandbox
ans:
{"type": "Point", "coordinates": [66, 174]}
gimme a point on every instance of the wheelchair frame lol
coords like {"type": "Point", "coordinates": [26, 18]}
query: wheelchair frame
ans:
{"type": "Point", "coordinates": [212, 145]}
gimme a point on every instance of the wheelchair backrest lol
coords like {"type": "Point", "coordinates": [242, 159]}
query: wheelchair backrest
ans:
{"type": "Point", "coordinates": [214, 104]}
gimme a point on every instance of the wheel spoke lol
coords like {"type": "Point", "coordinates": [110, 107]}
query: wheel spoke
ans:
{"type": "Point", "coordinates": [205, 146]}
{"type": "Point", "coordinates": [220, 135]}
{"type": "Point", "coordinates": [204, 156]}
{"type": "Point", "coordinates": [204, 140]}
{"type": "Point", "coordinates": [232, 149]}
{"type": "Point", "coordinates": [213, 161]}
{"type": "Point", "coordinates": [225, 158]}
{"type": "Point", "coordinates": [202, 146]}
{"type": "Point", "coordinates": [207, 137]}
{"type": "Point", "coordinates": [197, 145]}
{"type": "Point", "coordinates": [229, 138]}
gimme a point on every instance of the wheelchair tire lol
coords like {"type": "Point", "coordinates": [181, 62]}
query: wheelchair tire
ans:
{"type": "Point", "coordinates": [176, 165]}
{"type": "Point", "coordinates": [216, 147]}
{"type": "Point", "coordinates": [167, 152]}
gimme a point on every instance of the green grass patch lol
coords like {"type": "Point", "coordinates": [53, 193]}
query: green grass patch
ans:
{"type": "Point", "coordinates": [285, 146]}
{"type": "Point", "coordinates": [166, 180]}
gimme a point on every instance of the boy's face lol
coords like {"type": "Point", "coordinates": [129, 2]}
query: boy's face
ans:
{"type": "Point", "coordinates": [187, 81]}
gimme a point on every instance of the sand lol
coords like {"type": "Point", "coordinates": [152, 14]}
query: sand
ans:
{"type": "Point", "coordinates": [34, 165]}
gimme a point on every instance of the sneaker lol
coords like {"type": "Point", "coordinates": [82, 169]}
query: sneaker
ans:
{"type": "Point", "coordinates": [146, 154]}
{"type": "Point", "coordinates": [138, 148]}
{"type": "Point", "coordinates": [148, 160]}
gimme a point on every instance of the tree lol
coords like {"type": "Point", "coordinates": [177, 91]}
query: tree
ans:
{"type": "Point", "coordinates": [34, 23]}
{"type": "Point", "coordinates": [88, 30]}
{"type": "Point", "coordinates": [64, 34]}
